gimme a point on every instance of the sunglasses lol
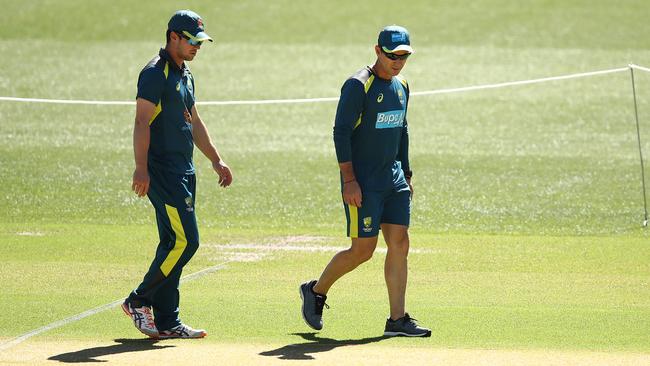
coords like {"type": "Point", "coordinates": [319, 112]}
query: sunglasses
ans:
{"type": "Point", "coordinates": [396, 57]}
{"type": "Point", "coordinates": [191, 41]}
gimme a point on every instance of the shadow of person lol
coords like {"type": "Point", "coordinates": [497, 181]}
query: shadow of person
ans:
{"type": "Point", "coordinates": [303, 351]}
{"type": "Point", "coordinates": [122, 346]}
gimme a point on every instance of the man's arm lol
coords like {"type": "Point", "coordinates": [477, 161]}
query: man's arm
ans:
{"type": "Point", "coordinates": [403, 155]}
{"type": "Point", "coordinates": [144, 110]}
{"type": "Point", "coordinates": [204, 143]}
{"type": "Point", "coordinates": [348, 113]}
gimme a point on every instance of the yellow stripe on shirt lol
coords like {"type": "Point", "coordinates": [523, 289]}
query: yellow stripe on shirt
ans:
{"type": "Point", "coordinates": [158, 109]}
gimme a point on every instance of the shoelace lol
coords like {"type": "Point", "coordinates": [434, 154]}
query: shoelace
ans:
{"type": "Point", "coordinates": [408, 319]}
{"type": "Point", "coordinates": [148, 316]}
{"type": "Point", "coordinates": [320, 302]}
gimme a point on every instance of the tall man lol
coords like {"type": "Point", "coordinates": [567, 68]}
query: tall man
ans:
{"type": "Point", "coordinates": [371, 141]}
{"type": "Point", "coordinates": [167, 125]}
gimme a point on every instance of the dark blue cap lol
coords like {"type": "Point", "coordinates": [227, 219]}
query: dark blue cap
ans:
{"type": "Point", "coordinates": [190, 24]}
{"type": "Point", "coordinates": [394, 38]}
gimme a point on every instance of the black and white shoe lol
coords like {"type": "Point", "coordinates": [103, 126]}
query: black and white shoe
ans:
{"type": "Point", "coordinates": [312, 305]}
{"type": "Point", "coordinates": [406, 327]}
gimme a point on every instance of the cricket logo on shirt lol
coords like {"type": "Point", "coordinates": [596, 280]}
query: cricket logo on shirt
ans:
{"type": "Point", "coordinates": [400, 95]}
{"type": "Point", "coordinates": [367, 224]}
{"type": "Point", "coordinates": [380, 97]}
{"type": "Point", "coordinates": [390, 119]}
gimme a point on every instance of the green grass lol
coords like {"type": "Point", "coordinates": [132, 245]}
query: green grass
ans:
{"type": "Point", "coordinates": [527, 199]}
{"type": "Point", "coordinates": [487, 291]}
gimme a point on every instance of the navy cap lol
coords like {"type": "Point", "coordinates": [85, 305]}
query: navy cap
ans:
{"type": "Point", "coordinates": [190, 24]}
{"type": "Point", "coordinates": [394, 38]}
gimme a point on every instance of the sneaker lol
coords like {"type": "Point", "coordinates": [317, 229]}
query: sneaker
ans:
{"type": "Point", "coordinates": [142, 319]}
{"type": "Point", "coordinates": [405, 326]}
{"type": "Point", "coordinates": [182, 331]}
{"type": "Point", "coordinates": [312, 305]}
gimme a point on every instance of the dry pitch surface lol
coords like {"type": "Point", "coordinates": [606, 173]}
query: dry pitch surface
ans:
{"type": "Point", "coordinates": [199, 352]}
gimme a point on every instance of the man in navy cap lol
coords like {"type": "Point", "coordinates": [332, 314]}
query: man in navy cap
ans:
{"type": "Point", "coordinates": [371, 141]}
{"type": "Point", "coordinates": [167, 126]}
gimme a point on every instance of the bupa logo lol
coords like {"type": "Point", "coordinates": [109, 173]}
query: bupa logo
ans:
{"type": "Point", "coordinates": [390, 119]}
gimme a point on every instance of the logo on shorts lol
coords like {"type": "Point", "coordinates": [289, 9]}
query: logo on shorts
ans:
{"type": "Point", "coordinates": [178, 86]}
{"type": "Point", "coordinates": [189, 203]}
{"type": "Point", "coordinates": [380, 97]}
{"type": "Point", "coordinates": [367, 224]}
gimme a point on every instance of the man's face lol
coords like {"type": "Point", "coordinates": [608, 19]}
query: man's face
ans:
{"type": "Point", "coordinates": [392, 63]}
{"type": "Point", "coordinates": [184, 49]}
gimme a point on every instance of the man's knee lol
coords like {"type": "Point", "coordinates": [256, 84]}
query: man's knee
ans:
{"type": "Point", "coordinates": [362, 253]}
{"type": "Point", "coordinates": [399, 247]}
{"type": "Point", "coordinates": [192, 247]}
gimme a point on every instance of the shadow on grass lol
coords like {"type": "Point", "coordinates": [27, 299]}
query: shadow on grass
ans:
{"type": "Point", "coordinates": [122, 346]}
{"type": "Point", "coordinates": [303, 351]}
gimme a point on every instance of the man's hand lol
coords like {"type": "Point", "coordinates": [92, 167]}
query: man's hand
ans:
{"type": "Point", "coordinates": [223, 170]}
{"type": "Point", "coordinates": [352, 193]}
{"type": "Point", "coordinates": [140, 182]}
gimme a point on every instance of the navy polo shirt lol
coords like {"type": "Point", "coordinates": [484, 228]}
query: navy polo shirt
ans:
{"type": "Point", "coordinates": [171, 89]}
{"type": "Point", "coordinates": [371, 131]}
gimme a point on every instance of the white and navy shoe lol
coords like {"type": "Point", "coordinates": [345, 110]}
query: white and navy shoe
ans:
{"type": "Point", "coordinates": [142, 319]}
{"type": "Point", "coordinates": [182, 331]}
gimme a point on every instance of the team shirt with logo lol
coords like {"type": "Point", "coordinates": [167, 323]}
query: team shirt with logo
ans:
{"type": "Point", "coordinates": [171, 89]}
{"type": "Point", "coordinates": [371, 131]}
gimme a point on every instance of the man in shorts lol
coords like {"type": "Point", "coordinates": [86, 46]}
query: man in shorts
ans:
{"type": "Point", "coordinates": [371, 141]}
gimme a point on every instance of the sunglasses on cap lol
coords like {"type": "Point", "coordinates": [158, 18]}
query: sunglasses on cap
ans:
{"type": "Point", "coordinates": [396, 57]}
{"type": "Point", "coordinates": [191, 41]}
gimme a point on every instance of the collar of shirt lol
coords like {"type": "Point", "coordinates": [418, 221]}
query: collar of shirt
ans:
{"type": "Point", "coordinates": [164, 54]}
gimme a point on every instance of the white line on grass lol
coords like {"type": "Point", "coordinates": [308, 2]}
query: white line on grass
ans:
{"type": "Point", "coordinates": [298, 248]}
{"type": "Point", "coordinates": [99, 309]}
{"type": "Point", "coordinates": [333, 99]}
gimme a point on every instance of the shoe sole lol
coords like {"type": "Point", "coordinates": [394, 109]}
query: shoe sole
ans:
{"type": "Point", "coordinates": [128, 313]}
{"type": "Point", "coordinates": [403, 334]}
{"type": "Point", "coordinates": [302, 312]}
{"type": "Point", "coordinates": [204, 334]}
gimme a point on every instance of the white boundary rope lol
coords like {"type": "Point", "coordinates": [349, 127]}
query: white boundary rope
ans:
{"type": "Point", "coordinates": [59, 323]}
{"type": "Point", "coordinates": [333, 99]}
{"type": "Point", "coordinates": [639, 67]}
{"type": "Point", "coordinates": [522, 82]}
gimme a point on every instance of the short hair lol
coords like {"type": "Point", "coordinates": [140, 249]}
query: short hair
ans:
{"type": "Point", "coordinates": [169, 31]}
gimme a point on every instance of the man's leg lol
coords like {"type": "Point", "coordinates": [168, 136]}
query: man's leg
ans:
{"type": "Point", "coordinates": [172, 197]}
{"type": "Point", "coordinates": [363, 229]}
{"type": "Point", "coordinates": [396, 267]}
{"type": "Point", "coordinates": [345, 261]}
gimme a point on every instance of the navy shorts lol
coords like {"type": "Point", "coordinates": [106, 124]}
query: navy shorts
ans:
{"type": "Point", "coordinates": [387, 207]}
